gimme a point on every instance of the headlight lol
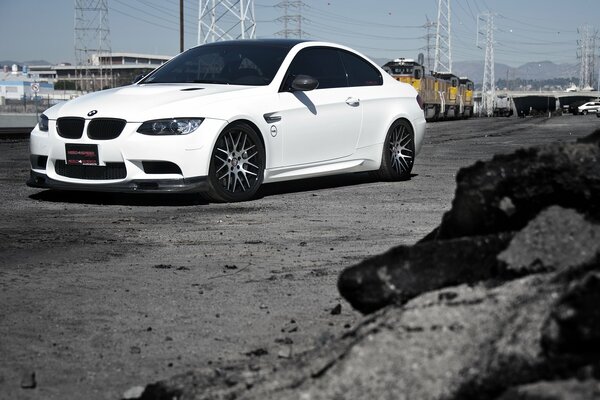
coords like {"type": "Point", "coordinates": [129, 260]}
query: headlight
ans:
{"type": "Point", "coordinates": [43, 123]}
{"type": "Point", "coordinates": [175, 126]}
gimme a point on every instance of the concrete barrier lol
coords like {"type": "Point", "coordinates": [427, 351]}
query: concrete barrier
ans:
{"type": "Point", "coordinates": [18, 120]}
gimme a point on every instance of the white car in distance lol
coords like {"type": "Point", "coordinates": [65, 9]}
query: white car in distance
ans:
{"type": "Point", "coordinates": [589, 107]}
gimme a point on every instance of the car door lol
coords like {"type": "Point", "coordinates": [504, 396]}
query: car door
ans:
{"type": "Point", "coordinates": [322, 124]}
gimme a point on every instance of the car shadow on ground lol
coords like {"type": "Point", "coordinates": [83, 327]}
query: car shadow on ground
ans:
{"type": "Point", "coordinates": [195, 199]}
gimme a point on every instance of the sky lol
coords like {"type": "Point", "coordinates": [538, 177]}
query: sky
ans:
{"type": "Point", "coordinates": [526, 30]}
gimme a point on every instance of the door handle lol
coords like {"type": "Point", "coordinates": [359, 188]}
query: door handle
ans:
{"type": "Point", "coordinates": [353, 102]}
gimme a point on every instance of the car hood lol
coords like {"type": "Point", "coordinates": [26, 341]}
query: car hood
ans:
{"type": "Point", "coordinates": [139, 103]}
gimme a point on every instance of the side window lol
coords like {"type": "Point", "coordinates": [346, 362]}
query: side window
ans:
{"type": "Point", "coordinates": [321, 63]}
{"type": "Point", "coordinates": [360, 72]}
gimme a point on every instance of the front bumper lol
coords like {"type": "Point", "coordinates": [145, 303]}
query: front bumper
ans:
{"type": "Point", "coordinates": [183, 185]}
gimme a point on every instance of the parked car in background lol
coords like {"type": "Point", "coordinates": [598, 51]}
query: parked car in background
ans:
{"type": "Point", "coordinates": [589, 107]}
{"type": "Point", "coordinates": [226, 117]}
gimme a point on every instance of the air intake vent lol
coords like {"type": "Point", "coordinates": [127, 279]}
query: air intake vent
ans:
{"type": "Point", "coordinates": [161, 167]}
{"type": "Point", "coordinates": [105, 128]}
{"type": "Point", "coordinates": [70, 127]}
{"type": "Point", "coordinates": [110, 171]}
{"type": "Point", "coordinates": [38, 162]}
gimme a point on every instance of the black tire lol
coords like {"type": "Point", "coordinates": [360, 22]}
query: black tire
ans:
{"type": "Point", "coordinates": [584, 112]}
{"type": "Point", "coordinates": [398, 152]}
{"type": "Point", "coordinates": [237, 164]}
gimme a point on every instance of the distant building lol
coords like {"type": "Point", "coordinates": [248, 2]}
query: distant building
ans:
{"type": "Point", "coordinates": [104, 71]}
{"type": "Point", "coordinates": [19, 89]}
{"type": "Point", "coordinates": [109, 70]}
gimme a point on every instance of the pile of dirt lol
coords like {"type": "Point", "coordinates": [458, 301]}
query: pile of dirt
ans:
{"type": "Point", "coordinates": [499, 302]}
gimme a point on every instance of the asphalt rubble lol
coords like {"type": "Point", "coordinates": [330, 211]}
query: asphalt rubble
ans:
{"type": "Point", "coordinates": [499, 302]}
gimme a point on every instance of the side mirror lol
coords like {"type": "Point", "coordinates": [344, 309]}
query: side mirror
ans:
{"type": "Point", "coordinates": [304, 83]}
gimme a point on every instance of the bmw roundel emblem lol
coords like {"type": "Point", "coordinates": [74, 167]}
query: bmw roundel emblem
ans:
{"type": "Point", "coordinates": [92, 113]}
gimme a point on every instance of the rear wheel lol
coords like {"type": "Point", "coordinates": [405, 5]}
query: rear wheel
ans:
{"type": "Point", "coordinates": [237, 164]}
{"type": "Point", "coordinates": [398, 152]}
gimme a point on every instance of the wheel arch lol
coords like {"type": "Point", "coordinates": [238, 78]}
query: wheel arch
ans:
{"type": "Point", "coordinates": [410, 122]}
{"type": "Point", "coordinates": [253, 126]}
{"type": "Point", "coordinates": [385, 162]}
{"type": "Point", "coordinates": [220, 195]}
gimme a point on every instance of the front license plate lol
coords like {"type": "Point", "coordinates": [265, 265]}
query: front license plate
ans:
{"type": "Point", "coordinates": [82, 154]}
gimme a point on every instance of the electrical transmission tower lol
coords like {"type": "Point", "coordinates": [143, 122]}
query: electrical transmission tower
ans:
{"type": "Point", "coordinates": [225, 20]}
{"type": "Point", "coordinates": [92, 40]}
{"type": "Point", "coordinates": [443, 42]}
{"type": "Point", "coordinates": [292, 23]}
{"type": "Point", "coordinates": [586, 54]}
{"type": "Point", "coordinates": [429, 25]}
{"type": "Point", "coordinates": [488, 89]}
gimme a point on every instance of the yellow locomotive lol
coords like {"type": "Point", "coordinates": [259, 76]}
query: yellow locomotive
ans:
{"type": "Point", "coordinates": [445, 96]}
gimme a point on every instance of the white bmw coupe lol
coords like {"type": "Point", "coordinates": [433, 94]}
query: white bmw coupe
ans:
{"type": "Point", "coordinates": [225, 117]}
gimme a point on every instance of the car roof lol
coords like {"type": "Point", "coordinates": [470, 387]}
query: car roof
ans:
{"type": "Point", "coordinates": [285, 43]}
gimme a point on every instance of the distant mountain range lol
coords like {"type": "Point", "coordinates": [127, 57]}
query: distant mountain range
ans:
{"type": "Point", "coordinates": [537, 71]}
{"type": "Point", "coordinates": [540, 70]}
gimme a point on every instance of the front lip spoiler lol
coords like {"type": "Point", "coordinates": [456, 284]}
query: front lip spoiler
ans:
{"type": "Point", "coordinates": [183, 185]}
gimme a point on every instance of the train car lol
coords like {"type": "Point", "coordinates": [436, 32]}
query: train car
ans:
{"type": "Point", "coordinates": [445, 96]}
{"type": "Point", "coordinates": [466, 89]}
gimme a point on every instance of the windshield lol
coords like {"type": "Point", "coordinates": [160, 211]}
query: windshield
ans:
{"type": "Point", "coordinates": [247, 63]}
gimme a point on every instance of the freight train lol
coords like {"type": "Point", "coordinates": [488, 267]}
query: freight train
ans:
{"type": "Point", "coordinates": [445, 96]}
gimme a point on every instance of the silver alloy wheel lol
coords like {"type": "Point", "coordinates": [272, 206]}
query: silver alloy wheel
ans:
{"type": "Point", "coordinates": [235, 162]}
{"type": "Point", "coordinates": [401, 149]}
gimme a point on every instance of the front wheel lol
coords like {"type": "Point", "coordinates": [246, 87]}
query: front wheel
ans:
{"type": "Point", "coordinates": [398, 152]}
{"type": "Point", "coordinates": [237, 164]}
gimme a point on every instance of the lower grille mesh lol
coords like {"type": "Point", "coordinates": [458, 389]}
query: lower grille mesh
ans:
{"type": "Point", "coordinates": [110, 171]}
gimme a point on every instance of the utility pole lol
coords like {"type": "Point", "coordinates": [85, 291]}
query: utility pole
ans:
{"type": "Point", "coordinates": [443, 40]}
{"type": "Point", "coordinates": [181, 47]}
{"type": "Point", "coordinates": [292, 23]}
{"type": "Point", "coordinates": [488, 89]}
{"type": "Point", "coordinates": [225, 20]}
{"type": "Point", "coordinates": [92, 41]}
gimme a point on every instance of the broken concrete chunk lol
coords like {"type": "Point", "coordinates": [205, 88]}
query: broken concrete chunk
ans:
{"type": "Point", "coordinates": [556, 239]}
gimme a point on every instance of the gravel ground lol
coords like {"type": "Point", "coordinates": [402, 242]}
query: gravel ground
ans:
{"type": "Point", "coordinates": [102, 292]}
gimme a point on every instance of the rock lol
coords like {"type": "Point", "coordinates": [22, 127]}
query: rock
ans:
{"type": "Point", "coordinates": [337, 310]}
{"type": "Point", "coordinates": [556, 239]}
{"type": "Point", "coordinates": [592, 138]}
{"type": "Point", "coordinates": [257, 352]}
{"type": "Point", "coordinates": [503, 194]}
{"type": "Point", "coordinates": [559, 390]}
{"type": "Point", "coordinates": [28, 380]}
{"type": "Point", "coordinates": [407, 271]}
{"type": "Point", "coordinates": [285, 352]}
{"type": "Point", "coordinates": [134, 392]}
{"type": "Point", "coordinates": [574, 323]}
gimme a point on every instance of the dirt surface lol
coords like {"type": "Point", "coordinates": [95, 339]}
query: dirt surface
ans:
{"type": "Point", "coordinates": [102, 292]}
